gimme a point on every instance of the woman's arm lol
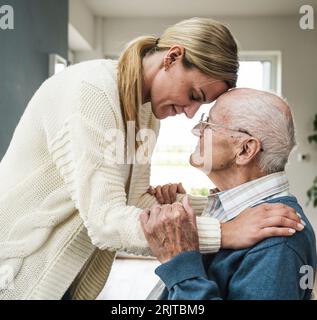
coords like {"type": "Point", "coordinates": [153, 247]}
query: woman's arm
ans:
{"type": "Point", "coordinates": [175, 192]}
{"type": "Point", "coordinates": [251, 226]}
{"type": "Point", "coordinates": [82, 153]}
{"type": "Point", "coordinates": [92, 169]}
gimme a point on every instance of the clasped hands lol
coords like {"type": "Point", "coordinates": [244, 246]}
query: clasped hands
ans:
{"type": "Point", "coordinates": [170, 229]}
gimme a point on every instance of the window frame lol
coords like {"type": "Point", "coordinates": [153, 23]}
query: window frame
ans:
{"type": "Point", "coordinates": [272, 56]}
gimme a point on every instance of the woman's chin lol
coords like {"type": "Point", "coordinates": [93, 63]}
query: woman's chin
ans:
{"type": "Point", "coordinates": [159, 115]}
{"type": "Point", "coordinates": [163, 111]}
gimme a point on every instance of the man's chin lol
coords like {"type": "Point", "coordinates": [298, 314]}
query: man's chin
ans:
{"type": "Point", "coordinates": [193, 163]}
{"type": "Point", "coordinates": [200, 166]}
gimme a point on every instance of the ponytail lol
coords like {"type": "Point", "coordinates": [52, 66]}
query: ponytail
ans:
{"type": "Point", "coordinates": [130, 77]}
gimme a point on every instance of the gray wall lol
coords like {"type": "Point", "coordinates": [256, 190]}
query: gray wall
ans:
{"type": "Point", "coordinates": [40, 28]}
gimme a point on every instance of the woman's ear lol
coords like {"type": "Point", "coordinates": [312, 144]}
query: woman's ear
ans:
{"type": "Point", "coordinates": [248, 151]}
{"type": "Point", "coordinates": [175, 53]}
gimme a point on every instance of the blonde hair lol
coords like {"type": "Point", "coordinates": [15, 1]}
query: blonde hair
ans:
{"type": "Point", "coordinates": [209, 46]}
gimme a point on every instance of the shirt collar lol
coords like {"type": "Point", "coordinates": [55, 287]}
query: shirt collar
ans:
{"type": "Point", "coordinates": [248, 194]}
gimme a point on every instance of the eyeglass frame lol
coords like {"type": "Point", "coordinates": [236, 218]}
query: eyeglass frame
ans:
{"type": "Point", "coordinates": [208, 123]}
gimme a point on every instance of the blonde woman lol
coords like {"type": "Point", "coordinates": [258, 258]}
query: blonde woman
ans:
{"type": "Point", "coordinates": [66, 206]}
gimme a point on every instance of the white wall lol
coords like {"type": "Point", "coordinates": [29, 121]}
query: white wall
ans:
{"type": "Point", "coordinates": [299, 73]}
{"type": "Point", "coordinates": [85, 33]}
{"type": "Point", "coordinates": [82, 20]}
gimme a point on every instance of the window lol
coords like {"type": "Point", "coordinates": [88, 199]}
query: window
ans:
{"type": "Point", "coordinates": [170, 162]}
{"type": "Point", "coordinates": [259, 70]}
{"type": "Point", "coordinates": [56, 64]}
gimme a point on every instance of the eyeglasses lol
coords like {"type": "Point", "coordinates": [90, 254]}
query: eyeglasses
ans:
{"type": "Point", "coordinates": [205, 122]}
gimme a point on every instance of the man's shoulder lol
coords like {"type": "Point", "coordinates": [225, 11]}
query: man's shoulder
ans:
{"type": "Point", "coordinates": [302, 243]}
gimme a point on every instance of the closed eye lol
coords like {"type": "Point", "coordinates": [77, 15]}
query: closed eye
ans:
{"type": "Point", "coordinates": [195, 98]}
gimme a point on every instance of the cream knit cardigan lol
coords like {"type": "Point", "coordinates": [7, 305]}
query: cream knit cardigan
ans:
{"type": "Point", "coordinates": [64, 209]}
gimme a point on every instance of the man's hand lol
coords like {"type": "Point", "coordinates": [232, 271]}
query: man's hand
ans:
{"type": "Point", "coordinates": [170, 229]}
{"type": "Point", "coordinates": [166, 194]}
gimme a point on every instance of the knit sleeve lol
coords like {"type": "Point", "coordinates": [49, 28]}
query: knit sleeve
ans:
{"type": "Point", "coordinates": [88, 152]}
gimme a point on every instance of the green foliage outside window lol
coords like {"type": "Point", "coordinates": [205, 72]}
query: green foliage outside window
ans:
{"type": "Point", "coordinates": [199, 191]}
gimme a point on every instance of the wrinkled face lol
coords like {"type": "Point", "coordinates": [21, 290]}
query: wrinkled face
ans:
{"type": "Point", "coordinates": [217, 147]}
{"type": "Point", "coordinates": [182, 90]}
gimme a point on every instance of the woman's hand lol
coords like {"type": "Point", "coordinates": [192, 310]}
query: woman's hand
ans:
{"type": "Point", "coordinates": [166, 194]}
{"type": "Point", "coordinates": [258, 223]}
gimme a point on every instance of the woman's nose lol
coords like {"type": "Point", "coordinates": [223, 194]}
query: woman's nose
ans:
{"type": "Point", "coordinates": [191, 110]}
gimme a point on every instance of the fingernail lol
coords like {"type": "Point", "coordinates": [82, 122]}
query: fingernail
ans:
{"type": "Point", "coordinates": [292, 231]}
{"type": "Point", "coordinates": [303, 222]}
{"type": "Point", "coordinates": [300, 226]}
{"type": "Point", "coordinates": [298, 214]}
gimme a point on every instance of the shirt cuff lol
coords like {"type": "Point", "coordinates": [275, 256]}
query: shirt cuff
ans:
{"type": "Point", "coordinates": [209, 232]}
{"type": "Point", "coordinates": [184, 266]}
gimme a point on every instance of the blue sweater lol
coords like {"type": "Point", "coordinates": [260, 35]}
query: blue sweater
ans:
{"type": "Point", "coordinates": [270, 270]}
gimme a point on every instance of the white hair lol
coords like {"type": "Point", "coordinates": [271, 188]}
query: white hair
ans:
{"type": "Point", "coordinates": [267, 117]}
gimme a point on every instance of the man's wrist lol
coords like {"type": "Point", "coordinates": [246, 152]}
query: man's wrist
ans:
{"type": "Point", "coordinates": [184, 266]}
{"type": "Point", "coordinates": [169, 257]}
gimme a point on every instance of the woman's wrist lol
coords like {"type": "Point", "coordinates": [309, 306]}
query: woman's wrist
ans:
{"type": "Point", "coordinates": [225, 236]}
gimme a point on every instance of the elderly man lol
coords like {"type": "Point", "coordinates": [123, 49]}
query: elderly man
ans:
{"type": "Point", "coordinates": [243, 148]}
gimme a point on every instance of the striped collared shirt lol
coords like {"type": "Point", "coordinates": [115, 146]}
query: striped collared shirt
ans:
{"type": "Point", "coordinates": [228, 204]}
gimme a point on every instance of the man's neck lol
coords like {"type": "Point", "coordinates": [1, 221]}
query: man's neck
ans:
{"type": "Point", "coordinates": [228, 179]}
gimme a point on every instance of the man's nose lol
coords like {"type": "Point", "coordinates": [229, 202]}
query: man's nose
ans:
{"type": "Point", "coordinates": [196, 130]}
{"type": "Point", "coordinates": [191, 110]}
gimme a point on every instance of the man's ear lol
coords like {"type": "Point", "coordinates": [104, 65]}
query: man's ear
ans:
{"type": "Point", "coordinates": [175, 53]}
{"type": "Point", "coordinates": [248, 151]}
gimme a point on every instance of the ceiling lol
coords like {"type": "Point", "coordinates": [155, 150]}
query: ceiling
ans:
{"type": "Point", "coordinates": [174, 8]}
